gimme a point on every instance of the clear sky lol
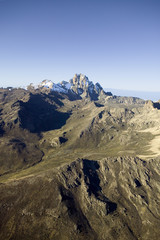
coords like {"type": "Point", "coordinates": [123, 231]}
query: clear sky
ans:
{"type": "Point", "coordinates": [113, 42]}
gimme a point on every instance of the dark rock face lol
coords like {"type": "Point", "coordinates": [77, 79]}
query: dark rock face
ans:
{"type": "Point", "coordinates": [1, 128]}
{"type": "Point", "coordinates": [62, 140]}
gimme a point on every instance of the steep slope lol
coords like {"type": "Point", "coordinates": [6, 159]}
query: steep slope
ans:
{"type": "Point", "coordinates": [115, 198]}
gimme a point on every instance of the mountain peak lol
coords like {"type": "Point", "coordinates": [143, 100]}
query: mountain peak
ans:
{"type": "Point", "coordinates": [79, 84]}
{"type": "Point", "coordinates": [80, 80]}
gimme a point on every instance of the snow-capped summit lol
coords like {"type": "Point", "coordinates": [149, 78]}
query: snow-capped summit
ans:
{"type": "Point", "coordinates": [59, 87]}
{"type": "Point", "coordinates": [79, 85]}
{"type": "Point", "coordinates": [46, 83]}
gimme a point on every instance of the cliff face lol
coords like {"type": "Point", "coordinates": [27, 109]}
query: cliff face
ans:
{"type": "Point", "coordinates": [115, 198]}
{"type": "Point", "coordinates": [81, 85]}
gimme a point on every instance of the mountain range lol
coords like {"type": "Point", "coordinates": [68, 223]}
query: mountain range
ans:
{"type": "Point", "coordinates": [147, 95]}
{"type": "Point", "coordinates": [78, 162]}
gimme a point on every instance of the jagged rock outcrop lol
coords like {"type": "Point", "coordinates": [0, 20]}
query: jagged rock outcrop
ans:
{"type": "Point", "coordinates": [82, 86]}
{"type": "Point", "coordinates": [79, 85]}
{"type": "Point", "coordinates": [150, 104]}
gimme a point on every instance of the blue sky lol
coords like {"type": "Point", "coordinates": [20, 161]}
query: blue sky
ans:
{"type": "Point", "coordinates": [113, 42]}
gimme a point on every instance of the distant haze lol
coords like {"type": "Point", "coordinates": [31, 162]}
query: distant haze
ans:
{"type": "Point", "coordinates": [154, 96]}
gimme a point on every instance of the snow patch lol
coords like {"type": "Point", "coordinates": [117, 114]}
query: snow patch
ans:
{"type": "Point", "coordinates": [46, 83]}
{"type": "Point", "coordinates": [79, 81]}
{"type": "Point", "coordinates": [58, 88]}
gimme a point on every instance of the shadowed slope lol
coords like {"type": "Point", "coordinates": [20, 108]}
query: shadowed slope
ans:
{"type": "Point", "coordinates": [38, 115]}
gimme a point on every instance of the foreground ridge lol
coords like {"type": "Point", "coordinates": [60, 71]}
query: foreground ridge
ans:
{"type": "Point", "coordinates": [115, 198]}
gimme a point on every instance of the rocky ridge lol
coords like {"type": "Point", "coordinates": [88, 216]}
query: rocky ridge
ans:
{"type": "Point", "coordinates": [115, 198]}
{"type": "Point", "coordinates": [79, 85]}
